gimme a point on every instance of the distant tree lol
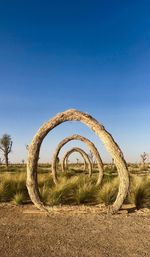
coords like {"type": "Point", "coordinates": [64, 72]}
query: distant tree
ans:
{"type": "Point", "coordinates": [144, 158]}
{"type": "Point", "coordinates": [23, 161]}
{"type": "Point", "coordinates": [1, 161]}
{"type": "Point", "coordinates": [6, 146]}
{"type": "Point", "coordinates": [77, 160]}
{"type": "Point", "coordinates": [91, 156]}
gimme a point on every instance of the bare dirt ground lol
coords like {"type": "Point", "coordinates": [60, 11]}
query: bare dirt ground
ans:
{"type": "Point", "coordinates": [73, 232]}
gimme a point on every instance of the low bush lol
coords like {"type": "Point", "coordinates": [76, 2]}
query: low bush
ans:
{"type": "Point", "coordinates": [139, 193]}
{"type": "Point", "coordinates": [74, 188]}
{"type": "Point", "coordinates": [108, 192]}
{"type": "Point", "coordinates": [18, 198]}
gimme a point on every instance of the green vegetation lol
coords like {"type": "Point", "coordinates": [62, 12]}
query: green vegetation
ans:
{"type": "Point", "coordinates": [6, 147]}
{"type": "Point", "coordinates": [73, 188]}
{"type": "Point", "coordinates": [139, 193]}
{"type": "Point", "coordinates": [86, 192]}
{"type": "Point", "coordinates": [10, 184]}
{"type": "Point", "coordinates": [108, 192]}
{"type": "Point", "coordinates": [18, 198]}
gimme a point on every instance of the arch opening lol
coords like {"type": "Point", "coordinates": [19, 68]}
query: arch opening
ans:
{"type": "Point", "coordinates": [91, 147]}
{"type": "Point", "coordinates": [82, 153]}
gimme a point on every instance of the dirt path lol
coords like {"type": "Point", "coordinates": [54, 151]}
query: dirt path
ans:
{"type": "Point", "coordinates": [72, 234]}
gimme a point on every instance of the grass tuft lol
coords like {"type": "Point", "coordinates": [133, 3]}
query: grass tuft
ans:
{"type": "Point", "coordinates": [85, 193]}
{"type": "Point", "coordinates": [108, 192]}
{"type": "Point", "coordinates": [18, 198]}
{"type": "Point", "coordinates": [139, 193]}
{"type": "Point", "coordinates": [73, 188]}
{"type": "Point", "coordinates": [63, 192]}
{"type": "Point", "coordinates": [44, 193]}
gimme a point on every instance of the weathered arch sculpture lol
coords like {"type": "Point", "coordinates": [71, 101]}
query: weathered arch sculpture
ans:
{"type": "Point", "coordinates": [66, 164]}
{"type": "Point", "coordinates": [82, 153]}
{"type": "Point", "coordinates": [107, 139]}
{"type": "Point", "coordinates": [91, 147]}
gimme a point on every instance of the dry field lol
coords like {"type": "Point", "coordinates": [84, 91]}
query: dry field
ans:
{"type": "Point", "coordinates": [73, 232]}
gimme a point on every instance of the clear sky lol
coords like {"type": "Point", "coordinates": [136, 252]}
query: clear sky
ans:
{"type": "Point", "coordinates": [90, 55]}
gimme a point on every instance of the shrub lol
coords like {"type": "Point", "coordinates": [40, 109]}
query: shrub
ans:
{"type": "Point", "coordinates": [11, 184]}
{"type": "Point", "coordinates": [45, 180]}
{"type": "Point", "coordinates": [108, 192]}
{"type": "Point", "coordinates": [139, 193]}
{"type": "Point", "coordinates": [44, 193]}
{"type": "Point", "coordinates": [18, 198]}
{"type": "Point", "coordinates": [63, 192]}
{"type": "Point", "coordinates": [85, 193]}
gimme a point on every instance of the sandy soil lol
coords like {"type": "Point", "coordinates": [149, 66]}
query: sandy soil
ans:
{"type": "Point", "coordinates": [73, 232]}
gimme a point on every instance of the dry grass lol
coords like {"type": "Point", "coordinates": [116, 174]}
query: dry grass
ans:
{"type": "Point", "coordinates": [108, 192]}
{"type": "Point", "coordinates": [18, 198]}
{"type": "Point", "coordinates": [139, 193]}
{"type": "Point", "coordinates": [73, 188]}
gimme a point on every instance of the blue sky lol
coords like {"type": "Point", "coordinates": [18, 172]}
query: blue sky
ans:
{"type": "Point", "coordinates": [90, 55]}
